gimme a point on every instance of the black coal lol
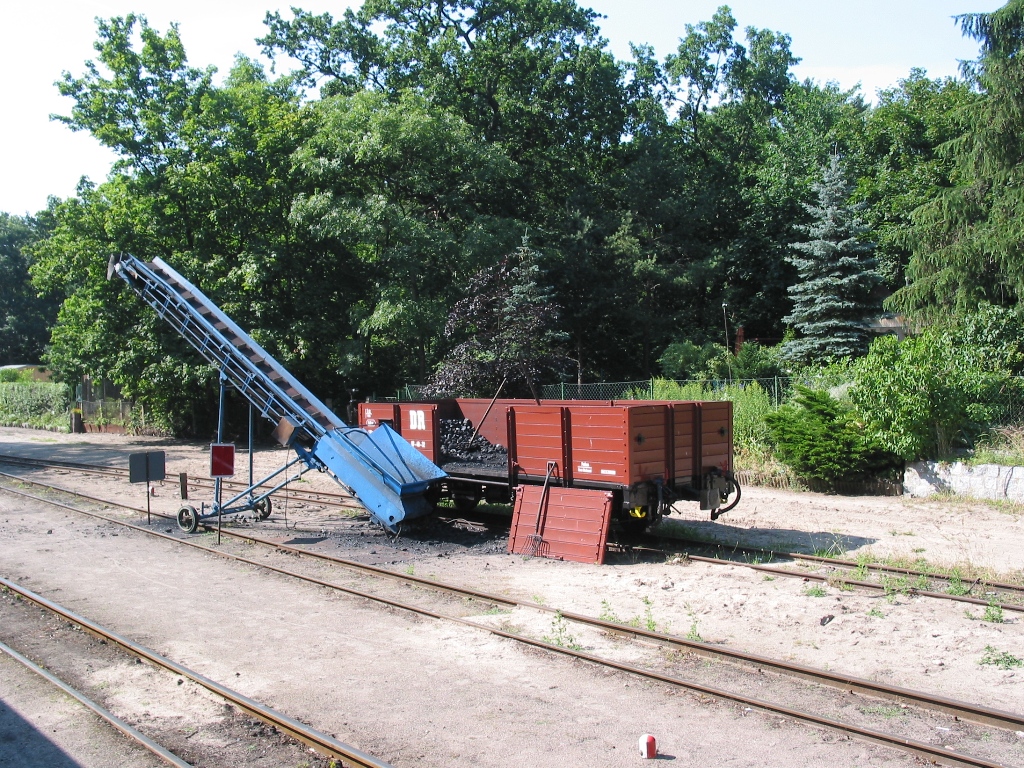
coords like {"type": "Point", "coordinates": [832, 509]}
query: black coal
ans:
{"type": "Point", "coordinates": [456, 435]}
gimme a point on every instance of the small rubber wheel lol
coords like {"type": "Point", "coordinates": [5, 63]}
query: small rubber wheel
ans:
{"type": "Point", "coordinates": [263, 508]}
{"type": "Point", "coordinates": [188, 519]}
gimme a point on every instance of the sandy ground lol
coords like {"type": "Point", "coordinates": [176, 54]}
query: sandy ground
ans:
{"type": "Point", "coordinates": [422, 693]}
{"type": "Point", "coordinates": [41, 727]}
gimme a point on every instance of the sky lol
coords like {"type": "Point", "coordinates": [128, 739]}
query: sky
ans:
{"type": "Point", "coordinates": [873, 43]}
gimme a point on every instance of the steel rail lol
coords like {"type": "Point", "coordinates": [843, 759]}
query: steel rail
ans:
{"type": "Point", "coordinates": [852, 684]}
{"type": "Point", "coordinates": [841, 563]}
{"type": "Point", "coordinates": [319, 741]}
{"type": "Point", "coordinates": [339, 500]}
{"type": "Point", "coordinates": [143, 740]}
{"type": "Point", "coordinates": [329, 498]}
{"type": "Point", "coordinates": [928, 751]}
{"type": "Point", "coordinates": [854, 583]}
{"type": "Point", "coordinates": [963, 710]}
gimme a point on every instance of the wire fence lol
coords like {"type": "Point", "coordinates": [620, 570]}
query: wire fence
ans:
{"type": "Point", "coordinates": [778, 388]}
{"type": "Point", "coordinates": [106, 411]}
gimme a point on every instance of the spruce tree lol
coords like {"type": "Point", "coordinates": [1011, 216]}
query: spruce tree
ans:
{"type": "Point", "coordinates": [838, 277]}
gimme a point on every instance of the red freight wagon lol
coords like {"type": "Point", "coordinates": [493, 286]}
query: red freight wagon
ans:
{"type": "Point", "coordinates": [644, 454]}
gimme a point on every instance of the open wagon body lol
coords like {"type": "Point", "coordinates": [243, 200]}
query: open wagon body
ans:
{"type": "Point", "coordinates": [641, 456]}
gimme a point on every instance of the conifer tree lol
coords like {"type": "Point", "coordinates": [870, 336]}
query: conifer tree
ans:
{"type": "Point", "coordinates": [838, 277]}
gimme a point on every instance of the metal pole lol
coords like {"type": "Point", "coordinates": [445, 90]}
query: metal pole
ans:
{"type": "Point", "coordinates": [725, 319]}
{"type": "Point", "coordinates": [250, 445]}
{"type": "Point", "coordinates": [220, 439]}
{"type": "Point", "coordinates": [149, 519]}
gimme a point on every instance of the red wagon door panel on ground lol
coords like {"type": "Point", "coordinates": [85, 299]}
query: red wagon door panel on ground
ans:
{"type": "Point", "coordinates": [561, 523]}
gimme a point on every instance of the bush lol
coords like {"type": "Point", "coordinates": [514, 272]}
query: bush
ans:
{"type": "Point", "coordinates": [820, 439]}
{"type": "Point", "coordinates": [685, 360]}
{"type": "Point", "coordinates": [927, 395]}
{"type": "Point", "coordinates": [35, 404]}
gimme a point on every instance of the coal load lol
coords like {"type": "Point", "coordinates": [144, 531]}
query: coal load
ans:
{"type": "Point", "coordinates": [456, 435]}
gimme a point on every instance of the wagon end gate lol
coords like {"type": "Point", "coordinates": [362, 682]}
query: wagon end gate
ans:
{"type": "Point", "coordinates": [561, 523]}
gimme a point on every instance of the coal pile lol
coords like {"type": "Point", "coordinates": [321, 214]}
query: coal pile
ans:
{"type": "Point", "coordinates": [455, 445]}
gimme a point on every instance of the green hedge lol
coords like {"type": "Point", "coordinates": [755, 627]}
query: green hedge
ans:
{"type": "Point", "coordinates": [35, 404]}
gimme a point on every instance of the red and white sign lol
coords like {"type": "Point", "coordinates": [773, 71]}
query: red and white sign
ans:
{"type": "Point", "coordinates": [222, 459]}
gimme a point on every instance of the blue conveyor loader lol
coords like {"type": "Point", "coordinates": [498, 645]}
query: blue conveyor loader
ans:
{"type": "Point", "coordinates": [389, 477]}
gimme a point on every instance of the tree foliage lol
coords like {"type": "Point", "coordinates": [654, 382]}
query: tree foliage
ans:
{"type": "Point", "coordinates": [25, 317]}
{"type": "Point", "coordinates": [821, 439]}
{"type": "Point", "coordinates": [343, 227]}
{"type": "Point", "coordinates": [927, 395]}
{"type": "Point", "coordinates": [968, 239]}
{"type": "Point", "coordinates": [507, 331]}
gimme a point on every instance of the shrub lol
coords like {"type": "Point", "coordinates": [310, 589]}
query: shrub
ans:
{"type": "Point", "coordinates": [35, 404]}
{"type": "Point", "coordinates": [926, 395]}
{"type": "Point", "coordinates": [820, 439]}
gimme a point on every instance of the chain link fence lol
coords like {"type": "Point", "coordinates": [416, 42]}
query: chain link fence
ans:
{"type": "Point", "coordinates": [777, 387]}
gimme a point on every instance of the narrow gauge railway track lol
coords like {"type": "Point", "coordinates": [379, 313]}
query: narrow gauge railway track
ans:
{"type": "Point", "coordinates": [845, 572]}
{"type": "Point", "coordinates": [328, 498]}
{"type": "Point", "coordinates": [958, 709]}
{"type": "Point", "coordinates": [132, 733]}
{"type": "Point", "coordinates": [321, 742]}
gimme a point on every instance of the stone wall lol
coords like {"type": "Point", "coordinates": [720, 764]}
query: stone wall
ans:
{"type": "Point", "coordinates": [982, 481]}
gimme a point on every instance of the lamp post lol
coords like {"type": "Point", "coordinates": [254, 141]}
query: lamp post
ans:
{"type": "Point", "coordinates": [725, 322]}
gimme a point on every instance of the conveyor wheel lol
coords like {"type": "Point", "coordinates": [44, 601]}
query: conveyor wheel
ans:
{"type": "Point", "coordinates": [262, 508]}
{"type": "Point", "coordinates": [188, 519]}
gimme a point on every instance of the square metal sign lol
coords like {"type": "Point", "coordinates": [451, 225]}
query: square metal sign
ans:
{"type": "Point", "coordinates": [146, 467]}
{"type": "Point", "coordinates": [222, 459]}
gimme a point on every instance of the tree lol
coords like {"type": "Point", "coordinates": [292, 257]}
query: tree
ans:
{"type": "Point", "coordinates": [821, 439]}
{"type": "Point", "coordinates": [968, 240]}
{"type": "Point", "coordinates": [204, 181]}
{"type": "Point", "coordinates": [507, 324]}
{"type": "Point", "coordinates": [837, 277]}
{"type": "Point", "coordinates": [902, 166]}
{"type": "Point", "coordinates": [25, 317]}
{"type": "Point", "coordinates": [408, 188]}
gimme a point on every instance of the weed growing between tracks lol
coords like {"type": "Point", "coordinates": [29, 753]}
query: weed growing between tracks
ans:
{"type": "Point", "coordinates": [1000, 659]}
{"type": "Point", "coordinates": [560, 634]}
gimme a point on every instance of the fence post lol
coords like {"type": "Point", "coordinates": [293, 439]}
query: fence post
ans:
{"type": "Point", "coordinates": [652, 388]}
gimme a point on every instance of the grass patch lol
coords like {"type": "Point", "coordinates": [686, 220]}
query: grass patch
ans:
{"type": "Point", "coordinates": [815, 590]}
{"type": "Point", "coordinates": [886, 711]}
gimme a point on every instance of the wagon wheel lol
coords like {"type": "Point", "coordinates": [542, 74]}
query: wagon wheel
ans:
{"type": "Point", "coordinates": [465, 498]}
{"type": "Point", "coordinates": [263, 508]}
{"type": "Point", "coordinates": [188, 519]}
{"type": "Point", "coordinates": [635, 519]}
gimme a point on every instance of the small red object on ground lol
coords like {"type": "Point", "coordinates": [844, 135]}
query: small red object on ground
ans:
{"type": "Point", "coordinates": [222, 459]}
{"type": "Point", "coordinates": [648, 747]}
